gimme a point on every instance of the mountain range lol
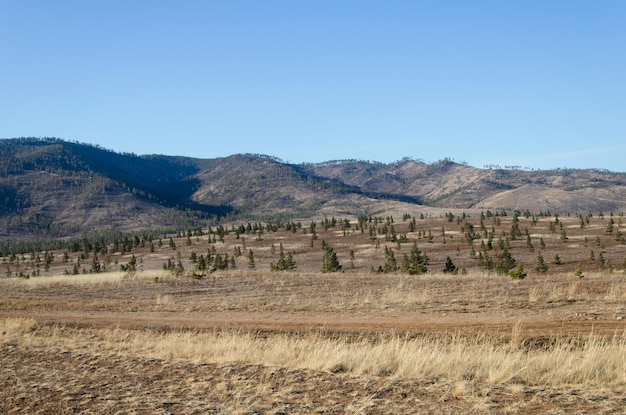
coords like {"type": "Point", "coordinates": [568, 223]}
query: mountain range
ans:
{"type": "Point", "coordinates": [51, 188]}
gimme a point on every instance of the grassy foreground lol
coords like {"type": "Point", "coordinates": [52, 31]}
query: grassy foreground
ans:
{"type": "Point", "coordinates": [259, 342]}
{"type": "Point", "coordinates": [591, 361]}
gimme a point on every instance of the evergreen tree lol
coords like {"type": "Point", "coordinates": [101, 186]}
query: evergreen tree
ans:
{"type": "Point", "coordinates": [391, 265]}
{"type": "Point", "coordinates": [505, 262]}
{"type": "Point", "coordinates": [251, 264]}
{"type": "Point", "coordinates": [220, 263]}
{"type": "Point", "coordinates": [515, 231]}
{"type": "Point", "coordinates": [416, 262]}
{"type": "Point", "coordinates": [131, 267]}
{"type": "Point", "coordinates": [201, 265]}
{"type": "Point", "coordinates": [95, 265]}
{"type": "Point", "coordinates": [179, 269]}
{"type": "Point", "coordinates": [541, 266]}
{"type": "Point", "coordinates": [330, 262]}
{"type": "Point", "coordinates": [450, 268]}
{"type": "Point", "coordinates": [285, 262]}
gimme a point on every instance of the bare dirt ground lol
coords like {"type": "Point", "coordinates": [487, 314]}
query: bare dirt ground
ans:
{"type": "Point", "coordinates": [117, 343]}
{"type": "Point", "coordinates": [544, 306]}
{"type": "Point", "coordinates": [45, 377]}
{"type": "Point", "coordinates": [36, 381]}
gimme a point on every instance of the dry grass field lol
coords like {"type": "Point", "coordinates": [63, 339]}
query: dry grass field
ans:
{"type": "Point", "coordinates": [276, 342]}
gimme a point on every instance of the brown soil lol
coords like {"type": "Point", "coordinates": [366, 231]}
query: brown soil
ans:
{"type": "Point", "coordinates": [58, 381]}
{"type": "Point", "coordinates": [538, 309]}
{"type": "Point", "coordinates": [44, 382]}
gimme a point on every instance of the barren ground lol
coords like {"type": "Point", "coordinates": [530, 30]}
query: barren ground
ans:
{"type": "Point", "coordinates": [41, 375]}
{"type": "Point", "coordinates": [112, 343]}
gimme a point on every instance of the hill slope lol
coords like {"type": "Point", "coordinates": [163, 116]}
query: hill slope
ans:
{"type": "Point", "coordinates": [55, 188]}
{"type": "Point", "coordinates": [451, 185]}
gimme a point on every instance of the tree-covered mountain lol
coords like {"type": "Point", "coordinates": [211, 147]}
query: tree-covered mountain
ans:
{"type": "Point", "coordinates": [53, 188]}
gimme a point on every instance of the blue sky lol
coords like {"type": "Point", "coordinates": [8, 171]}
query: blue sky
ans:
{"type": "Point", "coordinates": [540, 84]}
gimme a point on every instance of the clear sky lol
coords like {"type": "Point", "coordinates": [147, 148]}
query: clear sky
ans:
{"type": "Point", "coordinates": [540, 84]}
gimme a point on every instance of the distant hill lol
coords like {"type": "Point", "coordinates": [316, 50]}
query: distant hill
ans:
{"type": "Point", "coordinates": [52, 188]}
{"type": "Point", "coordinates": [451, 185]}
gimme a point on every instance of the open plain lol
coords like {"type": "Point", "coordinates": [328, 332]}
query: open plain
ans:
{"type": "Point", "coordinates": [252, 340]}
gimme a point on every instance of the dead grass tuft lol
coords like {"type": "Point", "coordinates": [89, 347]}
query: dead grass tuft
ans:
{"type": "Point", "coordinates": [13, 329]}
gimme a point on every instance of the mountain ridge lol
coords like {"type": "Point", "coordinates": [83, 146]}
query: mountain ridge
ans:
{"type": "Point", "coordinates": [56, 188]}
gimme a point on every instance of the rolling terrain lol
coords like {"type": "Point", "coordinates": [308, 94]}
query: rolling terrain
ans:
{"type": "Point", "coordinates": [343, 288]}
{"type": "Point", "coordinates": [50, 188]}
{"type": "Point", "coordinates": [182, 331]}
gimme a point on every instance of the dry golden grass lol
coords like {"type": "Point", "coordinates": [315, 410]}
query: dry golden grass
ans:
{"type": "Point", "coordinates": [490, 356]}
{"type": "Point", "coordinates": [245, 341]}
{"type": "Point", "coordinates": [100, 279]}
{"type": "Point", "coordinates": [468, 368]}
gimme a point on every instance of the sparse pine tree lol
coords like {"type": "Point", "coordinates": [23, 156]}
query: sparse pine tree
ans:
{"type": "Point", "coordinates": [95, 265]}
{"type": "Point", "coordinates": [450, 268]}
{"type": "Point", "coordinates": [330, 262]}
{"type": "Point", "coordinates": [515, 231]}
{"type": "Point", "coordinates": [285, 262]}
{"type": "Point", "coordinates": [201, 265]}
{"type": "Point", "coordinates": [602, 261]}
{"type": "Point", "coordinates": [179, 269]}
{"type": "Point", "coordinates": [541, 266]}
{"type": "Point", "coordinates": [219, 263]}
{"type": "Point", "coordinates": [391, 265]}
{"type": "Point", "coordinates": [290, 264]}
{"type": "Point", "coordinates": [505, 262]}
{"type": "Point", "coordinates": [416, 262]}
{"type": "Point", "coordinates": [251, 264]}
{"type": "Point", "coordinates": [131, 267]}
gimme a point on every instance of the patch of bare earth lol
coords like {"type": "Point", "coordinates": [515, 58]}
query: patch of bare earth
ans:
{"type": "Point", "coordinates": [40, 381]}
{"type": "Point", "coordinates": [247, 342]}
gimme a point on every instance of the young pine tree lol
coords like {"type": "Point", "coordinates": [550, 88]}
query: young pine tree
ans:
{"type": "Point", "coordinates": [391, 265]}
{"type": "Point", "coordinates": [251, 264]}
{"type": "Point", "coordinates": [450, 268]}
{"type": "Point", "coordinates": [541, 266]}
{"type": "Point", "coordinates": [330, 262]}
{"type": "Point", "coordinates": [505, 262]}
{"type": "Point", "coordinates": [416, 262]}
{"type": "Point", "coordinates": [285, 262]}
